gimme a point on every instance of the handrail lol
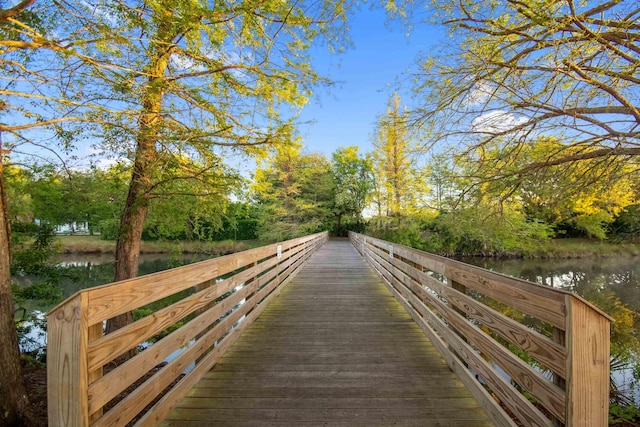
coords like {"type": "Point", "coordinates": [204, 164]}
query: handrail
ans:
{"type": "Point", "coordinates": [553, 345]}
{"type": "Point", "coordinates": [216, 300]}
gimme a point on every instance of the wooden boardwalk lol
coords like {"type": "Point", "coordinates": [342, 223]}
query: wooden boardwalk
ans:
{"type": "Point", "coordinates": [335, 349]}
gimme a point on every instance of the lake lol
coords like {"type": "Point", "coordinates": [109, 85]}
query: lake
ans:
{"type": "Point", "coordinates": [584, 276]}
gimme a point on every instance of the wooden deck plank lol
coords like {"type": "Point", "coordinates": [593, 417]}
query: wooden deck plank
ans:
{"type": "Point", "coordinates": [335, 348]}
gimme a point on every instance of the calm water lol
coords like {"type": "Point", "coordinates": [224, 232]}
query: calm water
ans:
{"type": "Point", "coordinates": [587, 277]}
{"type": "Point", "coordinates": [91, 270]}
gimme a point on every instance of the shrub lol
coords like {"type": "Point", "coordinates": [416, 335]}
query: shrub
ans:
{"type": "Point", "coordinates": [108, 229]}
{"type": "Point", "coordinates": [24, 227]}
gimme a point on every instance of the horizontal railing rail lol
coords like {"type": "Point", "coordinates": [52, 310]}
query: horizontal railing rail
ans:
{"type": "Point", "coordinates": [538, 352]}
{"type": "Point", "coordinates": [200, 310]}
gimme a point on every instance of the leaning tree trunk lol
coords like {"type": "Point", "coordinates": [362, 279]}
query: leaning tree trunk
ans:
{"type": "Point", "coordinates": [15, 409]}
{"type": "Point", "coordinates": [130, 232]}
{"type": "Point", "coordinates": [132, 220]}
{"type": "Point", "coordinates": [137, 204]}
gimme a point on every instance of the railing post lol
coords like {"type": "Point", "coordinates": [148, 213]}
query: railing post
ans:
{"type": "Point", "coordinates": [558, 336]}
{"type": "Point", "coordinates": [67, 376]}
{"type": "Point", "coordinates": [95, 331]}
{"type": "Point", "coordinates": [587, 338]}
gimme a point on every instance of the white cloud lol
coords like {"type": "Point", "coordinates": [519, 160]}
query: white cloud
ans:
{"type": "Point", "coordinates": [480, 93]}
{"type": "Point", "coordinates": [182, 62]}
{"type": "Point", "coordinates": [101, 10]}
{"type": "Point", "coordinates": [496, 122]}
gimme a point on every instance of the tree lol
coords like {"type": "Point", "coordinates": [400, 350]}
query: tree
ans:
{"type": "Point", "coordinates": [188, 81]}
{"type": "Point", "coordinates": [47, 191]}
{"type": "Point", "coordinates": [14, 402]}
{"type": "Point", "coordinates": [20, 204]}
{"type": "Point", "coordinates": [353, 178]}
{"type": "Point", "coordinates": [520, 69]}
{"type": "Point", "coordinates": [294, 193]}
{"type": "Point", "coordinates": [191, 208]}
{"type": "Point", "coordinates": [239, 222]}
{"type": "Point", "coordinates": [97, 194]}
{"type": "Point", "coordinates": [23, 38]}
{"type": "Point", "coordinates": [586, 195]}
{"type": "Point", "coordinates": [399, 186]}
{"type": "Point", "coordinates": [57, 197]}
{"type": "Point", "coordinates": [446, 184]}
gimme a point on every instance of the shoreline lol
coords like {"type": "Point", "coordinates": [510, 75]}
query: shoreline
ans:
{"type": "Point", "coordinates": [567, 248]}
{"type": "Point", "coordinates": [76, 244]}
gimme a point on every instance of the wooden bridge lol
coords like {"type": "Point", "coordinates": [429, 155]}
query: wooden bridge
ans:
{"type": "Point", "coordinates": [366, 333]}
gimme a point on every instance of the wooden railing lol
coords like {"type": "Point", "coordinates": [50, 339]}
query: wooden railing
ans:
{"type": "Point", "coordinates": [546, 361]}
{"type": "Point", "coordinates": [215, 300]}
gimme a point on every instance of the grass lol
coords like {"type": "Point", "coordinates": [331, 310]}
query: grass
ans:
{"type": "Point", "coordinates": [93, 244]}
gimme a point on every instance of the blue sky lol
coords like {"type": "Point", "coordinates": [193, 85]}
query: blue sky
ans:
{"type": "Point", "coordinates": [345, 113]}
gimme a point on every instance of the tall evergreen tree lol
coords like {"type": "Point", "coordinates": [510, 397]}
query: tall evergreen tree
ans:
{"type": "Point", "coordinates": [398, 187]}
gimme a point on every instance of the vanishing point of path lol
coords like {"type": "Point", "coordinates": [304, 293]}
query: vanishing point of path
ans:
{"type": "Point", "coordinates": [334, 349]}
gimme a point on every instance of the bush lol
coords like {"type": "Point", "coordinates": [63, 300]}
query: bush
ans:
{"type": "Point", "coordinates": [626, 225]}
{"type": "Point", "coordinates": [623, 414]}
{"type": "Point", "coordinates": [246, 229]}
{"type": "Point", "coordinates": [108, 229]}
{"type": "Point", "coordinates": [462, 233]}
{"type": "Point", "coordinates": [24, 227]}
{"type": "Point", "coordinates": [33, 260]}
{"type": "Point", "coordinates": [47, 292]}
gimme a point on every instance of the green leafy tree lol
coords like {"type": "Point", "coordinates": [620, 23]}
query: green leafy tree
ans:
{"type": "Point", "coordinates": [585, 196]}
{"type": "Point", "coordinates": [189, 81]}
{"type": "Point", "coordinates": [19, 200]}
{"type": "Point", "coordinates": [191, 209]}
{"type": "Point", "coordinates": [64, 197]}
{"type": "Point", "coordinates": [353, 178]}
{"type": "Point", "coordinates": [294, 195]}
{"type": "Point", "coordinates": [447, 184]}
{"type": "Point", "coordinates": [47, 192]}
{"type": "Point", "coordinates": [94, 195]}
{"type": "Point", "coordinates": [15, 408]}
{"type": "Point", "coordinates": [239, 222]}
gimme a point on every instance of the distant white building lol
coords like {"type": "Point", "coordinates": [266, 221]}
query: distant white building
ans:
{"type": "Point", "coordinates": [73, 228]}
{"type": "Point", "coordinates": [70, 228]}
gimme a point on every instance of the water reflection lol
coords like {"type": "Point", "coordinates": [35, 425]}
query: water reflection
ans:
{"type": "Point", "coordinates": [582, 276]}
{"type": "Point", "coordinates": [89, 270]}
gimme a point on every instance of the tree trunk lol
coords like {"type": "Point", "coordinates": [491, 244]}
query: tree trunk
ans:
{"type": "Point", "coordinates": [132, 224]}
{"type": "Point", "coordinates": [15, 409]}
{"type": "Point", "coordinates": [130, 236]}
{"type": "Point", "coordinates": [137, 204]}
